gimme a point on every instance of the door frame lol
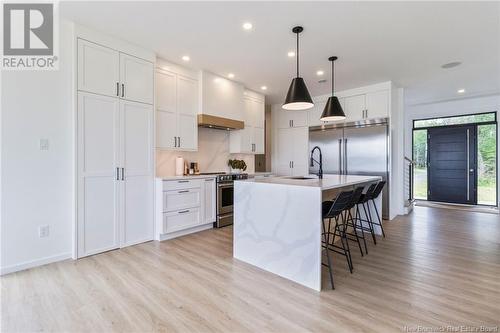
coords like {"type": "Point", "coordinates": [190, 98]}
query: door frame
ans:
{"type": "Point", "coordinates": [476, 124]}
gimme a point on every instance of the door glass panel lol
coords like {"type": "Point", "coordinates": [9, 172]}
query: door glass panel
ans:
{"type": "Point", "coordinates": [420, 158]}
{"type": "Point", "coordinates": [486, 160]}
{"type": "Point", "coordinates": [227, 196]}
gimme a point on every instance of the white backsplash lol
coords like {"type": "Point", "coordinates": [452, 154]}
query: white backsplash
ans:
{"type": "Point", "coordinates": [212, 155]}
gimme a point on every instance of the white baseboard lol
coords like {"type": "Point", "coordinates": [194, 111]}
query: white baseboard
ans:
{"type": "Point", "coordinates": [34, 263]}
{"type": "Point", "coordinates": [186, 231]}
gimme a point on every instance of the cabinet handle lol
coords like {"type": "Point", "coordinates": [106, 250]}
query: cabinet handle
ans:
{"type": "Point", "coordinates": [123, 173]}
{"type": "Point", "coordinates": [117, 173]}
{"type": "Point", "coordinates": [179, 141]}
{"type": "Point", "coordinates": [292, 164]}
{"type": "Point", "coordinates": [184, 191]}
{"type": "Point", "coordinates": [175, 141]}
{"type": "Point", "coordinates": [183, 181]}
{"type": "Point", "coordinates": [123, 90]}
{"type": "Point", "coordinates": [117, 89]}
{"type": "Point", "coordinates": [293, 123]}
{"type": "Point", "coordinates": [366, 113]}
{"type": "Point", "coordinates": [184, 211]}
{"type": "Point", "coordinates": [209, 180]}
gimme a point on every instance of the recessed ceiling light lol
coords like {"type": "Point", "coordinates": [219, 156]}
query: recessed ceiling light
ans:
{"type": "Point", "coordinates": [230, 75]}
{"type": "Point", "coordinates": [461, 91]}
{"type": "Point", "coordinates": [451, 64]}
{"type": "Point", "coordinates": [247, 26]}
{"type": "Point", "coordinates": [319, 73]}
{"type": "Point", "coordinates": [186, 58]}
{"type": "Point", "coordinates": [291, 54]}
{"type": "Point", "coordinates": [263, 88]}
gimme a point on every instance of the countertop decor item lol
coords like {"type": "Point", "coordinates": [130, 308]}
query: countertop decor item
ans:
{"type": "Point", "coordinates": [237, 165]}
{"type": "Point", "coordinates": [179, 166]}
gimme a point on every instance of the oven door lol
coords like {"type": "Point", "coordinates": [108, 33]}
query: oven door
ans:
{"type": "Point", "coordinates": [224, 198]}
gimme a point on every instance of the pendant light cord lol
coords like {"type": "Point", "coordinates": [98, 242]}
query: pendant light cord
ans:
{"type": "Point", "coordinates": [333, 78]}
{"type": "Point", "coordinates": [298, 54]}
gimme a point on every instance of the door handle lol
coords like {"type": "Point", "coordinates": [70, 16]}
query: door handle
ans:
{"type": "Point", "coordinates": [345, 156]}
{"type": "Point", "coordinates": [292, 123]}
{"type": "Point", "coordinates": [175, 142]}
{"type": "Point", "coordinates": [292, 164]}
{"type": "Point", "coordinates": [340, 156]}
{"type": "Point", "coordinates": [366, 113]}
{"type": "Point", "coordinates": [468, 165]}
{"type": "Point", "coordinates": [117, 89]}
{"type": "Point", "coordinates": [123, 173]}
{"type": "Point", "coordinates": [123, 90]}
{"type": "Point", "coordinates": [179, 141]}
{"type": "Point", "coordinates": [117, 173]}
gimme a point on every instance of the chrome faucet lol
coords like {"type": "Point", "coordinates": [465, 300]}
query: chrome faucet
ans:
{"type": "Point", "coordinates": [320, 171]}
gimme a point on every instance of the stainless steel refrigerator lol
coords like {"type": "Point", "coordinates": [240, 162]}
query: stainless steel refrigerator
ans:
{"type": "Point", "coordinates": [354, 149]}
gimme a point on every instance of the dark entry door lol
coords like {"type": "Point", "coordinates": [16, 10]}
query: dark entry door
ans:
{"type": "Point", "coordinates": [452, 164]}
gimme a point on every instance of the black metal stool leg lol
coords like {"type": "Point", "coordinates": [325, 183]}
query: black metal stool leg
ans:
{"type": "Point", "coordinates": [378, 217]}
{"type": "Point", "coordinates": [344, 237]}
{"type": "Point", "coordinates": [358, 218]}
{"type": "Point", "coordinates": [327, 237]}
{"type": "Point", "coordinates": [369, 221]}
{"type": "Point", "coordinates": [349, 217]}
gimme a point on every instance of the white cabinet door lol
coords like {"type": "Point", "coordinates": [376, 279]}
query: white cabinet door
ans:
{"type": "Point", "coordinates": [98, 161]}
{"type": "Point", "coordinates": [166, 91]}
{"type": "Point", "coordinates": [300, 159]}
{"type": "Point", "coordinates": [137, 79]}
{"type": "Point", "coordinates": [98, 69]}
{"type": "Point", "coordinates": [187, 96]}
{"type": "Point", "coordinates": [259, 140]}
{"type": "Point", "coordinates": [285, 151]}
{"type": "Point", "coordinates": [292, 119]}
{"type": "Point", "coordinates": [377, 104]}
{"type": "Point", "coordinates": [187, 129]}
{"type": "Point", "coordinates": [258, 111]}
{"type": "Point", "coordinates": [354, 107]}
{"type": "Point", "coordinates": [166, 130]}
{"type": "Point", "coordinates": [137, 222]}
{"type": "Point", "coordinates": [209, 200]}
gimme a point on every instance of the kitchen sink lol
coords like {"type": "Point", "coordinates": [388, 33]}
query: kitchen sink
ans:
{"type": "Point", "coordinates": [302, 178]}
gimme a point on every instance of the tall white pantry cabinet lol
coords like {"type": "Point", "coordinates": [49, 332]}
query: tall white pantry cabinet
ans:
{"type": "Point", "coordinates": [115, 149]}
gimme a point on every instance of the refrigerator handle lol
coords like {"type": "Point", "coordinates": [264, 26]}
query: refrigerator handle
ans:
{"type": "Point", "coordinates": [340, 156]}
{"type": "Point", "coordinates": [345, 156]}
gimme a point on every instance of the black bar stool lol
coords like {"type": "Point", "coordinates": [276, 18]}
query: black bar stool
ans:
{"type": "Point", "coordinates": [374, 195]}
{"type": "Point", "coordinates": [333, 210]}
{"type": "Point", "coordinates": [363, 202]}
{"type": "Point", "coordinates": [353, 222]}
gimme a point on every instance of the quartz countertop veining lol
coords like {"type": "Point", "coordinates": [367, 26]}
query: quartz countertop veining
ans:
{"type": "Point", "coordinates": [329, 181]}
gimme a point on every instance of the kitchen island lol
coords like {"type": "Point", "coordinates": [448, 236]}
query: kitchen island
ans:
{"type": "Point", "coordinates": [278, 225]}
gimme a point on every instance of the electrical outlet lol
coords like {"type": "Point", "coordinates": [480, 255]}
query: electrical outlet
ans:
{"type": "Point", "coordinates": [43, 231]}
{"type": "Point", "coordinates": [44, 144]}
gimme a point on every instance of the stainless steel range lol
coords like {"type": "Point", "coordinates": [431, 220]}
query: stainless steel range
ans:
{"type": "Point", "coordinates": [225, 195]}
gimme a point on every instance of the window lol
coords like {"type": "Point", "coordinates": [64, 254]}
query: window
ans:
{"type": "Point", "coordinates": [456, 120]}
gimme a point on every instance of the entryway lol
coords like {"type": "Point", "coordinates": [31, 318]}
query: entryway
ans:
{"type": "Point", "coordinates": [456, 159]}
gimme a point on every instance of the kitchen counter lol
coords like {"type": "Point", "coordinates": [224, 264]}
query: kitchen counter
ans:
{"type": "Point", "coordinates": [278, 223]}
{"type": "Point", "coordinates": [328, 182]}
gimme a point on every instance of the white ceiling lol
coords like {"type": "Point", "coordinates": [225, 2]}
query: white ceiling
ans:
{"type": "Point", "coordinates": [405, 42]}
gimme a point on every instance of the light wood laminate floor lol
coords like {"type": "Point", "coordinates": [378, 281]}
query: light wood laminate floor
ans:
{"type": "Point", "coordinates": [437, 267]}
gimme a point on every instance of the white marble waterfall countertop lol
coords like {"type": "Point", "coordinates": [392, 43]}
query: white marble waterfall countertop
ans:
{"type": "Point", "coordinates": [328, 182]}
{"type": "Point", "coordinates": [186, 177]}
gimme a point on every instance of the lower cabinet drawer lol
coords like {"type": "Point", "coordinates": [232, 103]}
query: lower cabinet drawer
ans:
{"type": "Point", "coordinates": [183, 219]}
{"type": "Point", "coordinates": [181, 199]}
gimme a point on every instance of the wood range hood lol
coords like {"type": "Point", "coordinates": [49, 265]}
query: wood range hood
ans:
{"type": "Point", "coordinates": [208, 121]}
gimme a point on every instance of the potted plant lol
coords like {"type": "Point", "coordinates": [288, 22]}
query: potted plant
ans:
{"type": "Point", "coordinates": [237, 165]}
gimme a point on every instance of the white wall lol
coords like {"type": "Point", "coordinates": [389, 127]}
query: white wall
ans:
{"type": "Point", "coordinates": [38, 186]}
{"type": "Point", "coordinates": [212, 155]}
{"type": "Point", "coordinates": [449, 108]}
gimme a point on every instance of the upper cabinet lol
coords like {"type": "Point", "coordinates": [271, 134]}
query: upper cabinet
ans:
{"type": "Point", "coordinates": [137, 79]}
{"type": "Point", "coordinates": [221, 97]}
{"type": "Point", "coordinates": [177, 105]}
{"type": "Point", "coordinates": [296, 118]}
{"type": "Point", "coordinates": [377, 104]}
{"type": "Point", "coordinates": [250, 140]}
{"type": "Point", "coordinates": [105, 71]}
{"type": "Point", "coordinates": [354, 107]}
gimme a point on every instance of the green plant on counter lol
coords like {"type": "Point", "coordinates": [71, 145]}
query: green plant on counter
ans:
{"type": "Point", "coordinates": [237, 164]}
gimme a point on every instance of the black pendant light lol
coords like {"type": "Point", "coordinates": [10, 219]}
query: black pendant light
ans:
{"type": "Point", "coordinates": [298, 97]}
{"type": "Point", "coordinates": [333, 111]}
